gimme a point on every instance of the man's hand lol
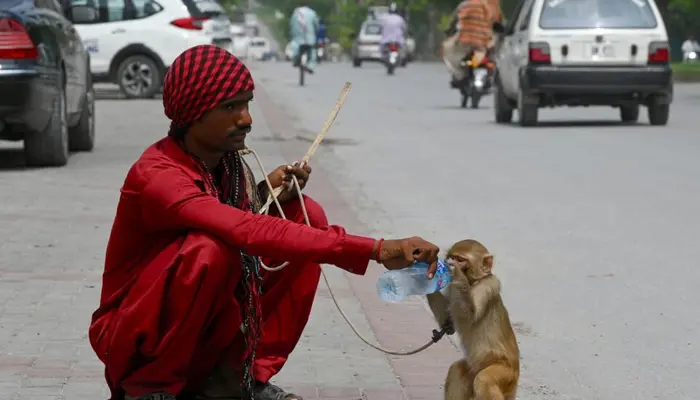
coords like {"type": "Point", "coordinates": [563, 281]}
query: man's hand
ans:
{"type": "Point", "coordinates": [401, 253]}
{"type": "Point", "coordinates": [282, 176]}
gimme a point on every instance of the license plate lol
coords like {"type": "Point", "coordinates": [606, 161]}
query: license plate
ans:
{"type": "Point", "coordinates": [480, 74]}
{"type": "Point", "coordinates": [605, 51]}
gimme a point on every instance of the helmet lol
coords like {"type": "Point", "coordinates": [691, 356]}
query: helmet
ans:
{"type": "Point", "coordinates": [393, 8]}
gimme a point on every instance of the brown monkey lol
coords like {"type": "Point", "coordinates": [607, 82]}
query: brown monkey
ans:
{"type": "Point", "coordinates": [472, 304]}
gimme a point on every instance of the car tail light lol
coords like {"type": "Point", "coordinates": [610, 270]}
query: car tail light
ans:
{"type": "Point", "coordinates": [191, 23]}
{"type": "Point", "coordinates": [658, 53]}
{"type": "Point", "coordinates": [539, 53]}
{"type": "Point", "coordinates": [15, 43]}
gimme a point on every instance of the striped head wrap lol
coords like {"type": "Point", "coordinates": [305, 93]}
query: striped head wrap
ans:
{"type": "Point", "coordinates": [198, 80]}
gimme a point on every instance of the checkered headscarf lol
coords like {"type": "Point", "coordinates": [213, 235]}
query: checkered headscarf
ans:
{"type": "Point", "coordinates": [198, 80]}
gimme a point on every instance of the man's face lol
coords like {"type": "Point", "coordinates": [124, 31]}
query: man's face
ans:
{"type": "Point", "coordinates": [225, 127]}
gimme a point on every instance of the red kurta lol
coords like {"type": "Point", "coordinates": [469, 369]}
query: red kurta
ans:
{"type": "Point", "coordinates": [167, 311]}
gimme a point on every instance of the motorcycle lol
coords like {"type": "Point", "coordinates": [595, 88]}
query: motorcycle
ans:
{"type": "Point", "coordinates": [392, 57]}
{"type": "Point", "coordinates": [477, 79]}
{"type": "Point", "coordinates": [691, 56]}
{"type": "Point", "coordinates": [320, 51]}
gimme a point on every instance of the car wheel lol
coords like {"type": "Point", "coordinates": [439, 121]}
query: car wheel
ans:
{"type": "Point", "coordinates": [139, 77]}
{"type": "Point", "coordinates": [501, 106]}
{"type": "Point", "coordinates": [82, 136]}
{"type": "Point", "coordinates": [50, 147]}
{"type": "Point", "coordinates": [629, 113]}
{"type": "Point", "coordinates": [527, 111]}
{"type": "Point", "coordinates": [658, 112]}
{"type": "Point", "coordinates": [356, 62]}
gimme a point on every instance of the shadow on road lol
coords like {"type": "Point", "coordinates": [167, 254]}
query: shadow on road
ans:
{"type": "Point", "coordinates": [115, 94]}
{"type": "Point", "coordinates": [457, 107]}
{"type": "Point", "coordinates": [12, 159]}
{"type": "Point", "coordinates": [578, 124]}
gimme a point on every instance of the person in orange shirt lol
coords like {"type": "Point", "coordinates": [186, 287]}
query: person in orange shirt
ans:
{"type": "Point", "coordinates": [470, 32]}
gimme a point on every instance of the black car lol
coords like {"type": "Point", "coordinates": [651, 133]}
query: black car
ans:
{"type": "Point", "coordinates": [46, 93]}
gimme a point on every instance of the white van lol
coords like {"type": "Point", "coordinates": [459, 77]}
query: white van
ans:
{"type": "Point", "coordinates": [584, 53]}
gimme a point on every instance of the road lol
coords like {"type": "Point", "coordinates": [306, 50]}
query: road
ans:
{"type": "Point", "coordinates": [592, 223]}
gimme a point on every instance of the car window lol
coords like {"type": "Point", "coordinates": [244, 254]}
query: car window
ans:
{"type": "Point", "coordinates": [589, 14]}
{"type": "Point", "coordinates": [204, 8]}
{"type": "Point", "coordinates": [15, 4]}
{"type": "Point", "coordinates": [145, 8]}
{"type": "Point", "coordinates": [116, 10]}
{"type": "Point", "coordinates": [8, 4]}
{"type": "Point", "coordinates": [373, 29]}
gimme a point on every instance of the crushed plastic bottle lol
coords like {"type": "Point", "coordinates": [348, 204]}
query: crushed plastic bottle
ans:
{"type": "Point", "coordinates": [395, 286]}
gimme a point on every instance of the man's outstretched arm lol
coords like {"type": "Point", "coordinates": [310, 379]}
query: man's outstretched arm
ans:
{"type": "Point", "coordinates": [171, 200]}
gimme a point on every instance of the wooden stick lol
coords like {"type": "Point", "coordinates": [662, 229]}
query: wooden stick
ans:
{"type": "Point", "coordinates": [316, 142]}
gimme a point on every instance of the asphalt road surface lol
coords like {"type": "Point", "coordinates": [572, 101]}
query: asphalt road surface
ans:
{"type": "Point", "coordinates": [594, 224]}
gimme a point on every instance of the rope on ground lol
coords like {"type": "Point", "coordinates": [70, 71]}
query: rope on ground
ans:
{"type": "Point", "coordinates": [272, 198]}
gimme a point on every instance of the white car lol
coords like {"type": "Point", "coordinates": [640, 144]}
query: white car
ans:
{"type": "Point", "coordinates": [259, 46]}
{"type": "Point", "coordinates": [135, 41]}
{"type": "Point", "coordinates": [241, 41]}
{"type": "Point", "coordinates": [584, 53]}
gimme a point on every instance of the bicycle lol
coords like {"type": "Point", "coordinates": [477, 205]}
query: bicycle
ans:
{"type": "Point", "coordinates": [304, 54]}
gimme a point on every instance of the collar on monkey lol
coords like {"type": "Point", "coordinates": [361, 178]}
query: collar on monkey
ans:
{"type": "Point", "coordinates": [437, 335]}
{"type": "Point", "coordinates": [447, 328]}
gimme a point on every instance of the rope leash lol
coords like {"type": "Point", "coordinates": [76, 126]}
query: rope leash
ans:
{"type": "Point", "coordinates": [272, 198]}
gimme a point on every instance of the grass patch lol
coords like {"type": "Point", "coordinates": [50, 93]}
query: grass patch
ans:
{"type": "Point", "coordinates": [686, 72]}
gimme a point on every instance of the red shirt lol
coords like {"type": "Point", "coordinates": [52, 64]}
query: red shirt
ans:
{"type": "Point", "coordinates": [163, 197]}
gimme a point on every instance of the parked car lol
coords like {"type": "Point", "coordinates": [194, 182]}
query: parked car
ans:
{"type": "Point", "coordinates": [134, 41]}
{"type": "Point", "coordinates": [584, 53]}
{"type": "Point", "coordinates": [46, 94]}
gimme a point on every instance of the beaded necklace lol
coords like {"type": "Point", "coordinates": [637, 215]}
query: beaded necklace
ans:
{"type": "Point", "coordinates": [233, 193]}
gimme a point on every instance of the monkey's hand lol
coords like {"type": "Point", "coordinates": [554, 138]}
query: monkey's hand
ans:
{"type": "Point", "coordinates": [448, 327]}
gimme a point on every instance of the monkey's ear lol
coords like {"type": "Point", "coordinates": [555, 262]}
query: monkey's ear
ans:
{"type": "Point", "coordinates": [487, 262]}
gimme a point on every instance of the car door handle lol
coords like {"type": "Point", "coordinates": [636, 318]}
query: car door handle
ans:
{"type": "Point", "coordinates": [120, 30]}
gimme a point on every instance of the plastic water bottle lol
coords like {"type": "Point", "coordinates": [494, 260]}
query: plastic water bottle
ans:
{"type": "Point", "coordinates": [394, 286]}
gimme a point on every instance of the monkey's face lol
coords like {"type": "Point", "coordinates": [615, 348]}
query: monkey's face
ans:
{"type": "Point", "coordinates": [468, 267]}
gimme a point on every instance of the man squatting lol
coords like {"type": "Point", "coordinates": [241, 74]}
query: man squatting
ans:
{"type": "Point", "coordinates": [185, 311]}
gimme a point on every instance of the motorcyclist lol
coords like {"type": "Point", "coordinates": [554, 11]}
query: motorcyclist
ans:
{"type": "Point", "coordinates": [393, 29]}
{"type": "Point", "coordinates": [322, 31]}
{"type": "Point", "coordinates": [321, 35]}
{"type": "Point", "coordinates": [689, 45]}
{"type": "Point", "coordinates": [470, 32]}
{"type": "Point", "coordinates": [304, 25]}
